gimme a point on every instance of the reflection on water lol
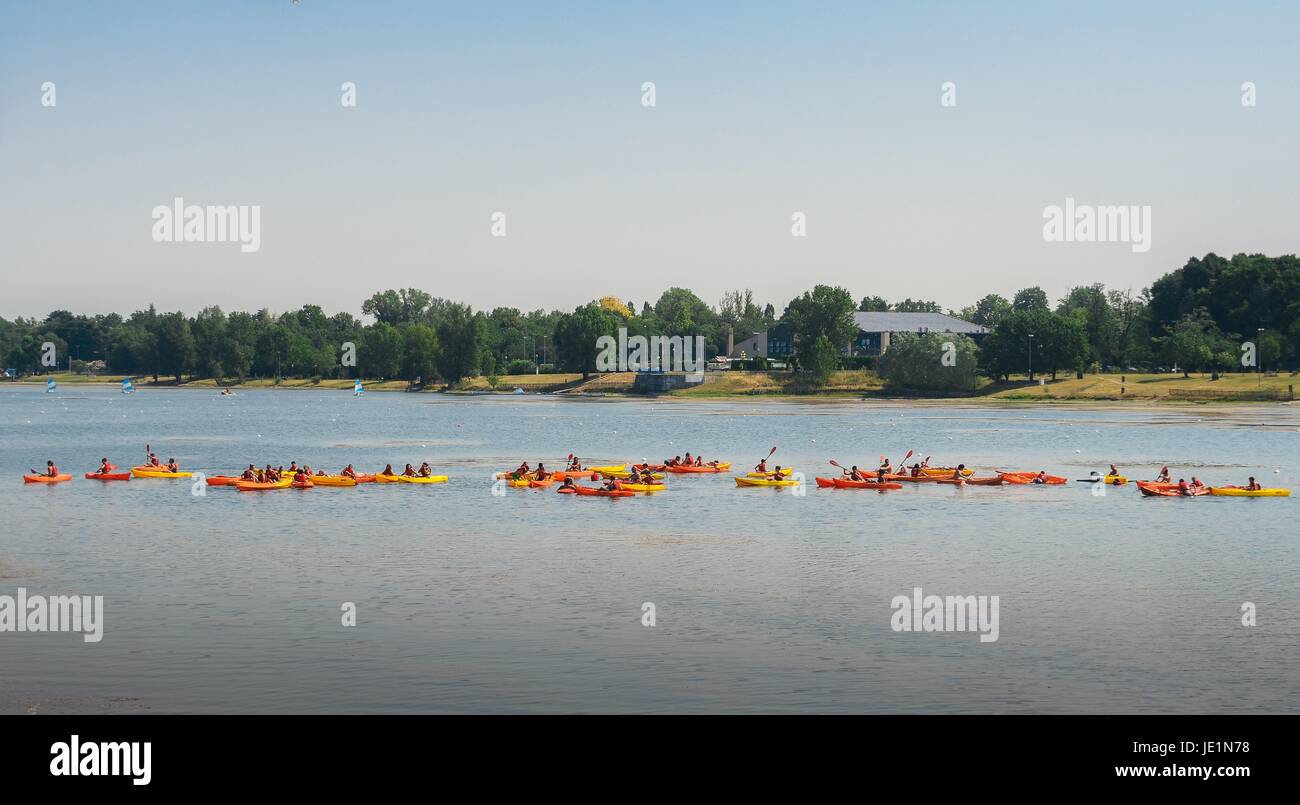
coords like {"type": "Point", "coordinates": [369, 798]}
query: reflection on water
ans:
{"type": "Point", "coordinates": [531, 601]}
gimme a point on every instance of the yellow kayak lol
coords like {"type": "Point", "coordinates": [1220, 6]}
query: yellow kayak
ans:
{"type": "Point", "coordinates": [945, 471]}
{"type": "Point", "coordinates": [1114, 479]}
{"type": "Point", "coordinates": [145, 472]}
{"type": "Point", "coordinates": [522, 483]}
{"type": "Point", "coordinates": [333, 480]}
{"type": "Point", "coordinates": [609, 470]}
{"type": "Point", "coordinates": [1238, 492]}
{"type": "Point", "coordinates": [643, 487]}
{"type": "Point", "coordinates": [432, 479]}
{"type": "Point", "coordinates": [785, 473]}
{"type": "Point", "coordinates": [766, 482]}
{"type": "Point", "coordinates": [658, 476]}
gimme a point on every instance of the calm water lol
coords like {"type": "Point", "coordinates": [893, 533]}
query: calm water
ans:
{"type": "Point", "coordinates": [531, 602]}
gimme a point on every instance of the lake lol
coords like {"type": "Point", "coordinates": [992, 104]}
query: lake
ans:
{"type": "Point", "coordinates": [529, 601]}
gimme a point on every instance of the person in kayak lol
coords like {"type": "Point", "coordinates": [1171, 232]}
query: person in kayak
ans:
{"type": "Point", "coordinates": [1253, 486]}
{"type": "Point", "coordinates": [1117, 481]}
{"type": "Point", "coordinates": [762, 467]}
{"type": "Point", "coordinates": [959, 474]}
{"type": "Point", "coordinates": [249, 474]}
{"type": "Point", "coordinates": [567, 483]}
{"type": "Point", "coordinates": [887, 467]}
{"type": "Point", "coordinates": [1163, 477]}
{"type": "Point", "coordinates": [299, 476]}
{"type": "Point", "coordinates": [104, 467]}
{"type": "Point", "coordinates": [51, 471]}
{"type": "Point", "coordinates": [260, 477]}
{"type": "Point", "coordinates": [541, 474]}
{"type": "Point", "coordinates": [172, 466]}
{"type": "Point", "coordinates": [1113, 471]}
{"type": "Point", "coordinates": [611, 485]}
{"type": "Point", "coordinates": [153, 461]}
{"type": "Point", "coordinates": [388, 470]}
{"type": "Point", "coordinates": [425, 470]}
{"type": "Point", "coordinates": [880, 475]}
{"type": "Point", "coordinates": [1041, 477]}
{"type": "Point", "coordinates": [1183, 488]}
{"type": "Point", "coordinates": [917, 471]}
{"type": "Point", "coordinates": [409, 472]}
{"type": "Point", "coordinates": [1196, 483]}
{"type": "Point", "coordinates": [293, 467]}
{"type": "Point", "coordinates": [575, 464]}
{"type": "Point", "coordinates": [690, 462]}
{"type": "Point", "coordinates": [852, 473]}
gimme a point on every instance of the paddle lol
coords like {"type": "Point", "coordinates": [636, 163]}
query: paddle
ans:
{"type": "Point", "coordinates": [769, 455]}
{"type": "Point", "coordinates": [899, 465]}
{"type": "Point", "coordinates": [835, 463]}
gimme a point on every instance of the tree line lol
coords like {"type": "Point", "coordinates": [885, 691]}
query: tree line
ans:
{"type": "Point", "coordinates": [1196, 318]}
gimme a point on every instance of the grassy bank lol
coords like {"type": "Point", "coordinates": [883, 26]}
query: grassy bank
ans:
{"type": "Point", "coordinates": [1157, 388]}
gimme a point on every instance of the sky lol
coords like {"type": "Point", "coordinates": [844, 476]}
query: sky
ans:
{"type": "Point", "coordinates": [762, 110]}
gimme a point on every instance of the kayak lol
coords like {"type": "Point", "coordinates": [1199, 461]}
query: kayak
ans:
{"type": "Point", "coordinates": [380, 478]}
{"type": "Point", "coordinates": [154, 472]}
{"type": "Point", "coordinates": [724, 466]}
{"type": "Point", "coordinates": [567, 490]}
{"type": "Point", "coordinates": [942, 471]}
{"type": "Point", "coordinates": [1111, 480]}
{"type": "Point", "coordinates": [533, 483]}
{"type": "Point", "coordinates": [994, 480]}
{"type": "Point", "coordinates": [605, 493]}
{"type": "Point", "coordinates": [333, 480]}
{"type": "Point", "coordinates": [611, 468]}
{"type": "Point", "coordinates": [1029, 477]}
{"type": "Point", "coordinates": [766, 482]}
{"type": "Point", "coordinates": [254, 486]}
{"type": "Point", "coordinates": [643, 487]}
{"type": "Point", "coordinates": [302, 484]}
{"type": "Point", "coordinates": [1152, 490]}
{"type": "Point", "coordinates": [219, 480]}
{"type": "Point", "coordinates": [914, 479]}
{"type": "Point", "coordinates": [45, 479]}
{"type": "Point", "coordinates": [849, 483]}
{"type": "Point", "coordinates": [521, 483]}
{"type": "Point", "coordinates": [422, 479]}
{"type": "Point", "coordinates": [651, 467]}
{"type": "Point", "coordinates": [365, 479]}
{"type": "Point", "coordinates": [109, 476]}
{"type": "Point", "coordinates": [785, 473]}
{"type": "Point", "coordinates": [574, 474]}
{"type": "Point", "coordinates": [658, 476]}
{"type": "Point", "coordinates": [1240, 492]}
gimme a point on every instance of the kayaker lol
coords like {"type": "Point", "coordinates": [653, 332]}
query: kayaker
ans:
{"type": "Point", "coordinates": [1196, 482]}
{"type": "Point", "coordinates": [261, 476]}
{"type": "Point", "coordinates": [153, 461]}
{"type": "Point", "coordinates": [1041, 477]}
{"type": "Point", "coordinates": [611, 485]}
{"type": "Point", "coordinates": [1183, 488]}
{"type": "Point", "coordinates": [293, 467]}
{"type": "Point", "coordinates": [777, 472]}
{"type": "Point", "coordinates": [690, 462]}
{"type": "Point", "coordinates": [1163, 477]}
{"type": "Point", "coordinates": [673, 462]}
{"type": "Point", "coordinates": [1253, 486]}
{"type": "Point", "coordinates": [1113, 471]}
{"type": "Point", "coordinates": [104, 467]}
{"type": "Point", "coordinates": [699, 461]}
{"type": "Point", "coordinates": [1117, 481]}
{"type": "Point", "coordinates": [853, 474]}
{"type": "Point", "coordinates": [567, 483]}
{"type": "Point", "coordinates": [575, 464]}
{"type": "Point", "coordinates": [880, 475]}
{"type": "Point", "coordinates": [762, 467]}
{"type": "Point", "coordinates": [299, 477]}
{"type": "Point", "coordinates": [887, 467]}
{"type": "Point", "coordinates": [917, 471]}
{"type": "Point", "coordinates": [409, 472]}
{"type": "Point", "coordinates": [523, 469]}
{"type": "Point", "coordinates": [172, 466]}
{"type": "Point", "coordinates": [959, 473]}
{"type": "Point", "coordinates": [306, 470]}
{"type": "Point", "coordinates": [51, 471]}
{"type": "Point", "coordinates": [348, 472]}
{"type": "Point", "coordinates": [925, 463]}
{"type": "Point", "coordinates": [388, 470]}
{"type": "Point", "coordinates": [249, 474]}
{"type": "Point", "coordinates": [425, 470]}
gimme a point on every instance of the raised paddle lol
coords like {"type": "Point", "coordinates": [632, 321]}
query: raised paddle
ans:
{"type": "Point", "coordinates": [835, 463]}
{"type": "Point", "coordinates": [769, 454]}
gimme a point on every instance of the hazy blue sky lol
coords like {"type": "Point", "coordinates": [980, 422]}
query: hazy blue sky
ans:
{"type": "Point", "coordinates": [762, 110]}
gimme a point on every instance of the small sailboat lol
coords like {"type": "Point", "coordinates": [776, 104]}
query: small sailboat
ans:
{"type": "Point", "coordinates": [50, 385]}
{"type": "Point", "coordinates": [358, 389]}
{"type": "Point", "coordinates": [127, 386]}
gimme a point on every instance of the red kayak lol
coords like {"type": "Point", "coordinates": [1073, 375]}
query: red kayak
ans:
{"type": "Point", "coordinates": [1028, 478]}
{"type": "Point", "coordinates": [223, 480]}
{"type": "Point", "coordinates": [567, 490]}
{"type": "Point", "coordinates": [605, 493]}
{"type": "Point", "coordinates": [846, 483]}
{"type": "Point", "coordinates": [1156, 490]}
{"type": "Point", "coordinates": [109, 476]}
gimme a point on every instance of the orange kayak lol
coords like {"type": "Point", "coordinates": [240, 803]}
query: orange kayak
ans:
{"type": "Point", "coordinates": [536, 484]}
{"type": "Point", "coordinates": [724, 466]}
{"type": "Point", "coordinates": [846, 483]}
{"type": "Point", "coordinates": [109, 476]}
{"type": "Point", "coordinates": [606, 493]}
{"type": "Point", "coordinates": [45, 479]}
{"type": "Point", "coordinates": [994, 480]}
{"type": "Point", "coordinates": [223, 480]}
{"type": "Point", "coordinates": [1152, 489]}
{"type": "Point", "coordinates": [574, 474]}
{"type": "Point", "coordinates": [1029, 477]}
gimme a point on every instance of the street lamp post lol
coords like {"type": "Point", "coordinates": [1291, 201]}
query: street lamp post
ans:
{"type": "Point", "coordinates": [1031, 357]}
{"type": "Point", "coordinates": [1259, 356]}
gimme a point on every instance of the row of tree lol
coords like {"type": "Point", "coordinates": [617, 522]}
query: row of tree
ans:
{"type": "Point", "coordinates": [1197, 317]}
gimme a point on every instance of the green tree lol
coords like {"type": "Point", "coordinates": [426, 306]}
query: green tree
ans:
{"type": "Point", "coordinates": [873, 304]}
{"type": "Point", "coordinates": [420, 352]}
{"type": "Point", "coordinates": [458, 340]}
{"type": "Point", "coordinates": [930, 362]}
{"type": "Point", "coordinates": [175, 344]}
{"type": "Point", "coordinates": [577, 334]}
{"type": "Point", "coordinates": [821, 360]}
{"type": "Point", "coordinates": [380, 353]}
{"type": "Point", "coordinates": [824, 311]}
{"type": "Point", "coordinates": [1033, 298]}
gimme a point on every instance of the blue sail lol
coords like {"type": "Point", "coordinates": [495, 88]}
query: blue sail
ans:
{"type": "Point", "coordinates": [358, 388]}
{"type": "Point", "coordinates": [127, 387]}
{"type": "Point", "coordinates": [50, 385]}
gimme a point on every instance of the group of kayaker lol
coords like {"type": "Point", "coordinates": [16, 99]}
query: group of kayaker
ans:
{"type": "Point", "coordinates": [425, 471]}
{"type": "Point", "coordinates": [689, 461]}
